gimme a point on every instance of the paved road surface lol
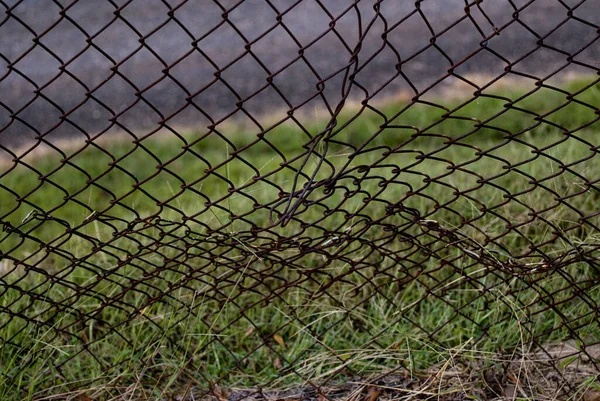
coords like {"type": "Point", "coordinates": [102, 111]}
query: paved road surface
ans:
{"type": "Point", "coordinates": [220, 47]}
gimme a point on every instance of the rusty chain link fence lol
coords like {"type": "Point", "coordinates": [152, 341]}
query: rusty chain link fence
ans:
{"type": "Point", "coordinates": [305, 200]}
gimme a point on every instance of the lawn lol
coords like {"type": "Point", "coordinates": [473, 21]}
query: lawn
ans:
{"type": "Point", "coordinates": [439, 233]}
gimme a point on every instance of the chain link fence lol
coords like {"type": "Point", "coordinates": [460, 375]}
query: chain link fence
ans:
{"type": "Point", "coordinates": [306, 200]}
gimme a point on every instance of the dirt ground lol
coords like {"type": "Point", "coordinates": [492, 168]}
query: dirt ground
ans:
{"type": "Point", "coordinates": [558, 372]}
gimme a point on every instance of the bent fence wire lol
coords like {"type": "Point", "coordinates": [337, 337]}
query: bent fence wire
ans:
{"type": "Point", "coordinates": [310, 200]}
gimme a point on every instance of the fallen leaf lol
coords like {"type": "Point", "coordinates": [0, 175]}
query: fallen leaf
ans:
{"type": "Point", "coordinates": [278, 339]}
{"type": "Point", "coordinates": [277, 363]}
{"type": "Point", "coordinates": [513, 379]}
{"type": "Point", "coordinates": [373, 393]}
{"type": "Point", "coordinates": [249, 331]}
{"type": "Point", "coordinates": [83, 397]}
{"type": "Point", "coordinates": [591, 395]}
{"type": "Point", "coordinates": [221, 393]}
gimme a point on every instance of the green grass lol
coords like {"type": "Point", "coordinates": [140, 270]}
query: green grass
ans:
{"type": "Point", "coordinates": [188, 296]}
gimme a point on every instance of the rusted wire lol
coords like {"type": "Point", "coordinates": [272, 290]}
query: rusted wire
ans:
{"type": "Point", "coordinates": [336, 210]}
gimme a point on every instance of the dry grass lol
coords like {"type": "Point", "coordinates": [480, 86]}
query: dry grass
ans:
{"type": "Point", "coordinates": [342, 336]}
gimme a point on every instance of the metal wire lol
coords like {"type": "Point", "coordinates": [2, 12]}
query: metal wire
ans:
{"type": "Point", "coordinates": [329, 212]}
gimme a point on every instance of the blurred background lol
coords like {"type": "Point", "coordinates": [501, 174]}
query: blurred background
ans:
{"type": "Point", "coordinates": [95, 66]}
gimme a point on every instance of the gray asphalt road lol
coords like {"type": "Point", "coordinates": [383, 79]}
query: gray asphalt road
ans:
{"type": "Point", "coordinates": [152, 80]}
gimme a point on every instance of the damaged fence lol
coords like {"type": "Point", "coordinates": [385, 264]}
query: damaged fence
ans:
{"type": "Point", "coordinates": [310, 199]}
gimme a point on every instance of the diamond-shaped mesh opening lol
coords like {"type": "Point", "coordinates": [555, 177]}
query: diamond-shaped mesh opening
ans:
{"type": "Point", "coordinates": [92, 23]}
{"type": "Point", "coordinates": [116, 29]}
{"type": "Point", "coordinates": [516, 29]}
{"type": "Point", "coordinates": [35, 16]}
{"type": "Point", "coordinates": [145, 19]}
{"type": "Point", "coordinates": [252, 29]}
{"type": "Point", "coordinates": [234, 79]}
{"type": "Point", "coordinates": [169, 51]}
{"type": "Point", "coordinates": [288, 49]}
{"type": "Point", "coordinates": [429, 63]}
{"type": "Point", "coordinates": [32, 61]}
{"type": "Point", "coordinates": [466, 33]}
{"type": "Point", "coordinates": [323, 59]}
{"type": "Point", "coordinates": [560, 39]}
{"type": "Point", "coordinates": [222, 56]}
{"type": "Point", "coordinates": [292, 14]}
{"type": "Point", "coordinates": [16, 38]}
{"type": "Point", "coordinates": [530, 13]}
{"type": "Point", "coordinates": [142, 68]}
{"type": "Point", "coordinates": [64, 30]}
{"type": "Point", "coordinates": [13, 82]}
{"type": "Point", "coordinates": [198, 19]}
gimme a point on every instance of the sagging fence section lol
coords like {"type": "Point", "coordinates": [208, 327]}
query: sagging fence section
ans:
{"type": "Point", "coordinates": [310, 199]}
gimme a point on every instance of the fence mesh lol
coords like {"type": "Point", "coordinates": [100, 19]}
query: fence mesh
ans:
{"type": "Point", "coordinates": [312, 199]}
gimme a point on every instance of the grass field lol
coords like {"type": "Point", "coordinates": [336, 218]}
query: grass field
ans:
{"type": "Point", "coordinates": [207, 303]}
